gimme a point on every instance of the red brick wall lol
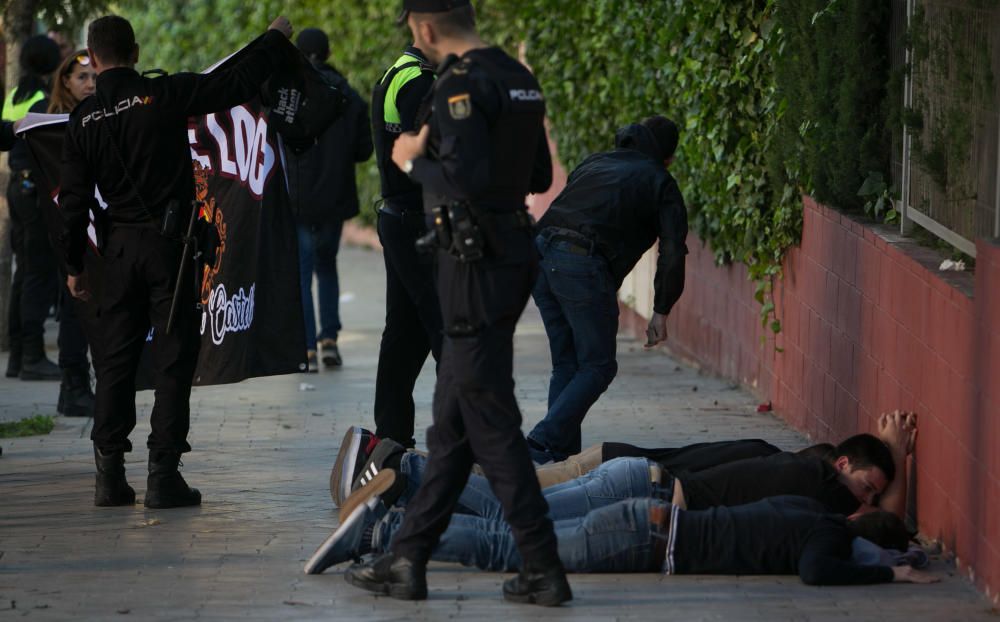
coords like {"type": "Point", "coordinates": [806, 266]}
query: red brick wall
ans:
{"type": "Point", "coordinates": [870, 325]}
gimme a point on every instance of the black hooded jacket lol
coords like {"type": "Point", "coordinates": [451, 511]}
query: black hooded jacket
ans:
{"type": "Point", "coordinates": [623, 200]}
{"type": "Point", "coordinates": [321, 179]}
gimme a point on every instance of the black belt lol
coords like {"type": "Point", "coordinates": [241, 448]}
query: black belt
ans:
{"type": "Point", "coordinates": [578, 244]}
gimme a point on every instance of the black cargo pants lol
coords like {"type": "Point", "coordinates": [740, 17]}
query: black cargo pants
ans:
{"type": "Point", "coordinates": [476, 417]}
{"type": "Point", "coordinates": [140, 268]}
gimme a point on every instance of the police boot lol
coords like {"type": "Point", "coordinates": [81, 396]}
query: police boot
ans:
{"type": "Point", "coordinates": [14, 361]}
{"type": "Point", "coordinates": [111, 488]}
{"type": "Point", "coordinates": [165, 487]}
{"type": "Point", "coordinates": [397, 577]}
{"type": "Point", "coordinates": [34, 364]}
{"type": "Point", "coordinates": [546, 586]}
{"type": "Point", "coordinates": [75, 397]}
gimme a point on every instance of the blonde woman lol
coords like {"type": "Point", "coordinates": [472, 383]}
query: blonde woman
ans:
{"type": "Point", "coordinates": [75, 80]}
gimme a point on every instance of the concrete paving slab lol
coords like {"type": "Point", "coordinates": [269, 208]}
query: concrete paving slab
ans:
{"type": "Point", "coordinates": [263, 451]}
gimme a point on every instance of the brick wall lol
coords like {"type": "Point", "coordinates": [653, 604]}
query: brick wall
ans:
{"type": "Point", "coordinates": [869, 325]}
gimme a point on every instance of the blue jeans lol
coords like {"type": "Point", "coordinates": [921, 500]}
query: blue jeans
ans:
{"type": "Point", "coordinates": [577, 298]}
{"type": "Point", "coordinates": [613, 481]}
{"type": "Point", "coordinates": [614, 538]}
{"type": "Point", "coordinates": [318, 246]}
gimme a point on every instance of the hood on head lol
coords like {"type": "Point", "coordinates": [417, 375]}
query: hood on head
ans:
{"type": "Point", "coordinates": [639, 138]}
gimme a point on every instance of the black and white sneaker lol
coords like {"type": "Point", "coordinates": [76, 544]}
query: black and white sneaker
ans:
{"type": "Point", "coordinates": [353, 537]}
{"type": "Point", "coordinates": [354, 451]}
{"type": "Point", "coordinates": [375, 463]}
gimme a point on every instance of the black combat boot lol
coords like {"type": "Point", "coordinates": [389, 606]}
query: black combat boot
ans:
{"type": "Point", "coordinates": [34, 364]}
{"type": "Point", "coordinates": [539, 586]}
{"type": "Point", "coordinates": [398, 577]}
{"type": "Point", "coordinates": [14, 361]}
{"type": "Point", "coordinates": [111, 488]}
{"type": "Point", "coordinates": [165, 487]}
{"type": "Point", "coordinates": [76, 399]}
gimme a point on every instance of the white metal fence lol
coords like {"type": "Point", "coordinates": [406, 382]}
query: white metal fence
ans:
{"type": "Point", "coordinates": [950, 149]}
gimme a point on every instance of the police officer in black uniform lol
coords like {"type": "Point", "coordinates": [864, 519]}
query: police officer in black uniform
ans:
{"type": "Point", "coordinates": [482, 152]}
{"type": "Point", "coordinates": [130, 139]}
{"type": "Point", "coordinates": [412, 313]}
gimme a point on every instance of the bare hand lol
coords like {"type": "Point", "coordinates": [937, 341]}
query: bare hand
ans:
{"type": "Point", "coordinates": [77, 286]}
{"type": "Point", "coordinates": [909, 574]}
{"type": "Point", "coordinates": [657, 330]}
{"type": "Point", "coordinates": [410, 146]}
{"type": "Point", "coordinates": [282, 25]}
{"type": "Point", "coordinates": [893, 432]}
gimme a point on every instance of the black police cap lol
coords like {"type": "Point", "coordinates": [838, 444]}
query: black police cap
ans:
{"type": "Point", "coordinates": [429, 6]}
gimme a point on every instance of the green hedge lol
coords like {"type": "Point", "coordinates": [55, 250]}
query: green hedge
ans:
{"type": "Point", "coordinates": [774, 97]}
{"type": "Point", "coordinates": [834, 72]}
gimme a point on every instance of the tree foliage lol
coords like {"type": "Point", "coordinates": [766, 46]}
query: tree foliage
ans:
{"type": "Point", "coordinates": [774, 97]}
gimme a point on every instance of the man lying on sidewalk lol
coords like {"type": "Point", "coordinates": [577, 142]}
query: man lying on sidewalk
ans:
{"type": "Point", "coordinates": [778, 535]}
{"type": "Point", "coordinates": [849, 477]}
{"type": "Point", "coordinates": [356, 457]}
{"type": "Point", "coordinates": [845, 481]}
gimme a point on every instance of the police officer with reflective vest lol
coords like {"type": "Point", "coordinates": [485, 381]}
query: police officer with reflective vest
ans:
{"type": "Point", "coordinates": [36, 280]}
{"type": "Point", "coordinates": [131, 140]}
{"type": "Point", "coordinates": [412, 313]}
{"type": "Point", "coordinates": [481, 153]}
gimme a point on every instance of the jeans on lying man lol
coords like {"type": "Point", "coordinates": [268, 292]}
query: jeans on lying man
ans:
{"type": "Point", "coordinates": [615, 538]}
{"type": "Point", "coordinates": [617, 480]}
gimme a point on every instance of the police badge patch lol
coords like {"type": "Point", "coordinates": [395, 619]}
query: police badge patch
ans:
{"type": "Point", "coordinates": [460, 106]}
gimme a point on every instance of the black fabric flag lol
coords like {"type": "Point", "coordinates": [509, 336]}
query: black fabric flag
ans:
{"type": "Point", "coordinates": [251, 303]}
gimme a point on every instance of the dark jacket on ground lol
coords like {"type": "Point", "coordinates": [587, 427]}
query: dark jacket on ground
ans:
{"type": "Point", "coordinates": [321, 179]}
{"type": "Point", "coordinates": [779, 535]}
{"type": "Point", "coordinates": [623, 200]}
{"type": "Point", "coordinates": [752, 479]}
{"type": "Point", "coordinates": [692, 458]}
{"type": "Point", "coordinates": [147, 119]}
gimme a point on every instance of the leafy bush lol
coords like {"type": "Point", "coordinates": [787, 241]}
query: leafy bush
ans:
{"type": "Point", "coordinates": [774, 97]}
{"type": "Point", "coordinates": [834, 73]}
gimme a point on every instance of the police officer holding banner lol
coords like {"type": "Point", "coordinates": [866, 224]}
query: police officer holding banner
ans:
{"type": "Point", "coordinates": [482, 151]}
{"type": "Point", "coordinates": [130, 139]}
{"type": "Point", "coordinates": [412, 313]}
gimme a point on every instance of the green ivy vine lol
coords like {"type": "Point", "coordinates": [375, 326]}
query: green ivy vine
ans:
{"type": "Point", "coordinates": [741, 77]}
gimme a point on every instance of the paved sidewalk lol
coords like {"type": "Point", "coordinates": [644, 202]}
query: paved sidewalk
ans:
{"type": "Point", "coordinates": [263, 451]}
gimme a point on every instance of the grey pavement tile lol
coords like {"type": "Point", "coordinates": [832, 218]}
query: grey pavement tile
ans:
{"type": "Point", "coordinates": [263, 451]}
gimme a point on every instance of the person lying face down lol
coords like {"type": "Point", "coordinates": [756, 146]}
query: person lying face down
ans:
{"type": "Point", "coordinates": [840, 483]}
{"type": "Point", "coordinates": [777, 535]}
{"type": "Point", "coordinates": [851, 477]}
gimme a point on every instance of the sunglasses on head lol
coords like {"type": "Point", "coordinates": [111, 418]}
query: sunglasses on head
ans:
{"type": "Point", "coordinates": [82, 59]}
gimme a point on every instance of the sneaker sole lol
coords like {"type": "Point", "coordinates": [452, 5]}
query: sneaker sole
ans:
{"type": "Point", "coordinates": [320, 559]}
{"type": "Point", "coordinates": [381, 483]}
{"type": "Point", "coordinates": [339, 488]}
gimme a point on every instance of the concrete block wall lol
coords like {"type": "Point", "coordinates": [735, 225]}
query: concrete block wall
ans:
{"type": "Point", "coordinates": [869, 325]}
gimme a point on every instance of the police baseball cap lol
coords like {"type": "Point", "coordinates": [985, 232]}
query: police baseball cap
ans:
{"type": "Point", "coordinates": [429, 6]}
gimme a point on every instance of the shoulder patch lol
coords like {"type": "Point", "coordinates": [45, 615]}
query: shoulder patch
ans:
{"type": "Point", "coordinates": [460, 106]}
